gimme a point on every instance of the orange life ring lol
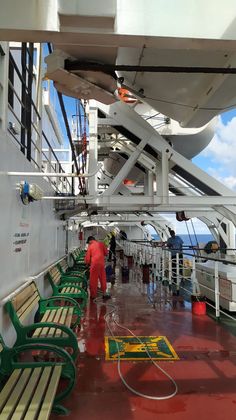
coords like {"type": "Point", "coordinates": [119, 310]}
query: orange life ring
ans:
{"type": "Point", "coordinates": [126, 96]}
{"type": "Point", "coordinates": [128, 182]}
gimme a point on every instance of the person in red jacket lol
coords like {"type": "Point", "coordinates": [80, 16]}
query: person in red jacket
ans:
{"type": "Point", "coordinates": [94, 257]}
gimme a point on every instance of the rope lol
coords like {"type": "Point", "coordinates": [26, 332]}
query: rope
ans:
{"type": "Point", "coordinates": [194, 251]}
{"type": "Point", "coordinates": [113, 311]}
{"type": "Point", "coordinates": [197, 243]}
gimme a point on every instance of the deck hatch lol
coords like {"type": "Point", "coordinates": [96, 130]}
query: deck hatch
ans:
{"type": "Point", "coordinates": [131, 349]}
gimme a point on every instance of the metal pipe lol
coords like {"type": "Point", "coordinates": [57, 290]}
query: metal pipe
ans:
{"type": "Point", "coordinates": [79, 198]}
{"type": "Point", "coordinates": [52, 174]}
{"type": "Point", "coordinates": [29, 280]}
{"type": "Point", "coordinates": [78, 65]}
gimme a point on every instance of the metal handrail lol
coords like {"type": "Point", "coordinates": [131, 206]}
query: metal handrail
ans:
{"type": "Point", "coordinates": [163, 269]}
{"type": "Point", "coordinates": [29, 280]}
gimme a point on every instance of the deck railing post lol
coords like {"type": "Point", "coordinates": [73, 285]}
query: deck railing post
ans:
{"type": "Point", "coordinates": [169, 268]}
{"type": "Point", "coordinates": [153, 263]}
{"type": "Point", "coordinates": [156, 264]}
{"type": "Point", "coordinates": [217, 291]}
{"type": "Point", "coordinates": [177, 272]}
{"type": "Point", "coordinates": [193, 277]}
{"type": "Point", "coordinates": [163, 264]}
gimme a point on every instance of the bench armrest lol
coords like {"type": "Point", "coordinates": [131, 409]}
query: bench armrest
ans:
{"type": "Point", "coordinates": [22, 334]}
{"type": "Point", "coordinates": [72, 277]}
{"type": "Point", "coordinates": [11, 359]}
{"type": "Point", "coordinates": [78, 289]}
{"type": "Point", "coordinates": [44, 303]}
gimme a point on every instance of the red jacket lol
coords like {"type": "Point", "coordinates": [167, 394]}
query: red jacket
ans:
{"type": "Point", "coordinates": [95, 253]}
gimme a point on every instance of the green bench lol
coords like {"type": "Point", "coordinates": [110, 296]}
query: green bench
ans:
{"type": "Point", "coordinates": [78, 271]}
{"type": "Point", "coordinates": [29, 389]}
{"type": "Point", "coordinates": [78, 253]}
{"type": "Point", "coordinates": [77, 276]}
{"type": "Point", "coordinates": [71, 287]}
{"type": "Point", "coordinates": [56, 322]}
{"type": "Point", "coordinates": [78, 259]}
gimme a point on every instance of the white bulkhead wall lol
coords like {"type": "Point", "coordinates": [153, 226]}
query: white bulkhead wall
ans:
{"type": "Point", "coordinates": [88, 7]}
{"type": "Point", "coordinates": [163, 18]}
{"type": "Point", "coordinates": [182, 18]}
{"type": "Point", "coordinates": [30, 14]}
{"type": "Point", "coordinates": [36, 223]}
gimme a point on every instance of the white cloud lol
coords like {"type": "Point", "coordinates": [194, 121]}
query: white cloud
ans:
{"type": "Point", "coordinates": [228, 181]}
{"type": "Point", "coordinates": [221, 151]}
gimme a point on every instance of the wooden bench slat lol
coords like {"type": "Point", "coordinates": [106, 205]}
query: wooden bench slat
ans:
{"type": "Point", "coordinates": [28, 306]}
{"type": "Point", "coordinates": [8, 387]}
{"type": "Point", "coordinates": [25, 300]}
{"type": "Point", "coordinates": [64, 265]}
{"type": "Point", "coordinates": [51, 392]}
{"type": "Point", "coordinates": [55, 275]}
{"type": "Point", "coordinates": [63, 316]}
{"type": "Point", "coordinates": [36, 401]}
{"type": "Point", "coordinates": [27, 394]}
{"type": "Point", "coordinates": [71, 290]}
{"type": "Point", "coordinates": [52, 332]}
{"type": "Point", "coordinates": [47, 317]}
{"type": "Point", "coordinates": [66, 318]}
{"type": "Point", "coordinates": [69, 317]}
{"type": "Point", "coordinates": [61, 320]}
{"type": "Point", "coordinates": [12, 401]}
{"type": "Point", "coordinates": [50, 316]}
{"type": "Point", "coordinates": [23, 296]}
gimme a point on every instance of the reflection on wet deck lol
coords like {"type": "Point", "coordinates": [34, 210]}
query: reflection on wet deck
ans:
{"type": "Point", "coordinates": [205, 373]}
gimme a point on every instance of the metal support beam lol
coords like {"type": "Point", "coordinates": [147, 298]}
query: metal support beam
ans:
{"type": "Point", "coordinates": [135, 124]}
{"type": "Point", "coordinates": [93, 148]}
{"type": "Point", "coordinates": [125, 169]}
{"type": "Point", "coordinates": [150, 183]}
{"type": "Point", "coordinates": [159, 183]}
{"type": "Point", "coordinates": [176, 203]}
{"type": "Point", "coordinates": [145, 184]}
{"type": "Point", "coordinates": [165, 174]}
{"type": "Point", "coordinates": [129, 119]}
{"type": "Point", "coordinates": [76, 65]}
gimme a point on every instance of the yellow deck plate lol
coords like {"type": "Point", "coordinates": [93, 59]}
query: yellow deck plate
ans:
{"type": "Point", "coordinates": [129, 348]}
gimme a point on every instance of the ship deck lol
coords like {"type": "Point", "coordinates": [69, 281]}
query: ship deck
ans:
{"type": "Point", "coordinates": [205, 373]}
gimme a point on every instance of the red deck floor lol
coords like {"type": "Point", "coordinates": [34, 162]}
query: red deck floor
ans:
{"type": "Point", "coordinates": [205, 373]}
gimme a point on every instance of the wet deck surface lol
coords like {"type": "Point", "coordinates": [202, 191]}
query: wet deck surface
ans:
{"type": "Point", "coordinates": [205, 373]}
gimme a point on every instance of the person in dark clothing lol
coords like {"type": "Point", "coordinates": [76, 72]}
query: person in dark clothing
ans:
{"type": "Point", "coordinates": [175, 245]}
{"type": "Point", "coordinates": [123, 235]}
{"type": "Point", "coordinates": [112, 250]}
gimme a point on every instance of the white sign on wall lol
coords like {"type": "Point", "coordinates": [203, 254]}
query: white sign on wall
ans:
{"type": "Point", "coordinates": [20, 237]}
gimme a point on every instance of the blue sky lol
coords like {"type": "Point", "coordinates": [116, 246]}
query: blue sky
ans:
{"type": "Point", "coordinates": [218, 160]}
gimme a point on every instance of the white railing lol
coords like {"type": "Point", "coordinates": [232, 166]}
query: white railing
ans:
{"type": "Point", "coordinates": [175, 272]}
